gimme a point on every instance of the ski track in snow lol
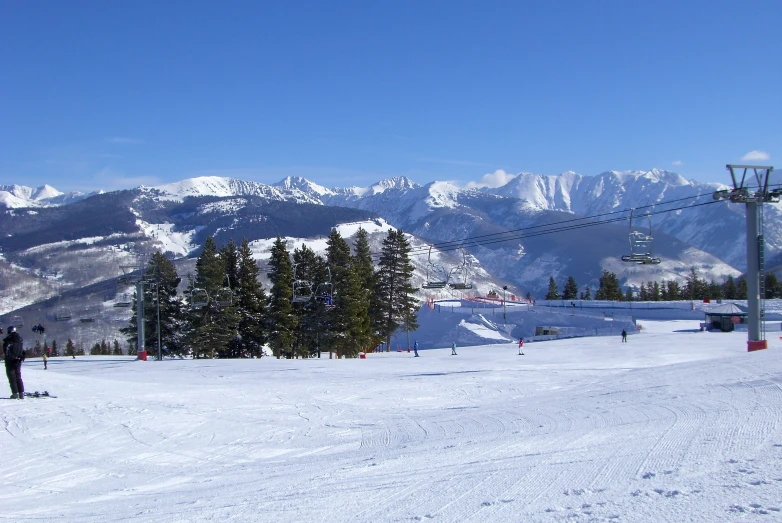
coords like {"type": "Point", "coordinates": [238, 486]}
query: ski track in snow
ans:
{"type": "Point", "coordinates": [672, 426]}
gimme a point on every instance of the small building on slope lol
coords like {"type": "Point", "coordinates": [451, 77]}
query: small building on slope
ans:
{"type": "Point", "coordinates": [725, 317]}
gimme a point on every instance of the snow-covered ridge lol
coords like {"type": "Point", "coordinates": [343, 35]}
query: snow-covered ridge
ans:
{"type": "Point", "coordinates": [214, 186]}
{"type": "Point", "coordinates": [19, 196]}
{"type": "Point", "coordinates": [14, 196]}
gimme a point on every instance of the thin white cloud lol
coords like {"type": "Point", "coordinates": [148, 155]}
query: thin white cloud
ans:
{"type": "Point", "coordinates": [496, 179]}
{"type": "Point", "coordinates": [755, 156]}
{"type": "Point", "coordinates": [677, 162]}
{"type": "Point", "coordinates": [125, 139]}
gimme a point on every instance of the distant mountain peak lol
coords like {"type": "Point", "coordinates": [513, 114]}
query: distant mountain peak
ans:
{"type": "Point", "coordinates": [45, 191]}
{"type": "Point", "coordinates": [397, 182]}
{"type": "Point", "coordinates": [292, 183]}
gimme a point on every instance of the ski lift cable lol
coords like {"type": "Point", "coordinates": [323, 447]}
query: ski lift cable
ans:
{"type": "Point", "coordinates": [520, 236]}
{"type": "Point", "coordinates": [444, 246]}
{"type": "Point", "coordinates": [523, 233]}
{"type": "Point", "coordinates": [618, 211]}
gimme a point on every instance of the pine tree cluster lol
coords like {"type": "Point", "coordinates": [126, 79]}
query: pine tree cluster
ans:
{"type": "Point", "coordinates": [340, 303]}
{"type": "Point", "coordinates": [694, 288]}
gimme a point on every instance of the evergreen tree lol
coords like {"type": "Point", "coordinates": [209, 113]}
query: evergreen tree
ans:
{"type": "Point", "coordinates": [55, 351]}
{"type": "Point", "coordinates": [729, 289]}
{"type": "Point", "coordinates": [674, 290]}
{"type": "Point", "coordinates": [714, 290]}
{"type": "Point", "coordinates": [70, 348]}
{"type": "Point", "coordinates": [160, 271]}
{"type": "Point", "coordinates": [282, 320]}
{"type": "Point", "coordinates": [104, 348]}
{"type": "Point", "coordinates": [339, 321]}
{"type": "Point", "coordinates": [230, 256]}
{"type": "Point", "coordinates": [172, 315]}
{"type": "Point", "coordinates": [772, 286]}
{"type": "Point", "coordinates": [226, 304]}
{"type": "Point", "coordinates": [655, 291]}
{"type": "Point", "coordinates": [570, 292]}
{"type": "Point", "coordinates": [587, 294]}
{"type": "Point", "coordinates": [209, 330]}
{"type": "Point", "coordinates": [117, 349]}
{"type": "Point", "coordinates": [664, 290]}
{"type": "Point", "coordinates": [629, 294]}
{"type": "Point", "coordinates": [609, 287]}
{"type": "Point", "coordinates": [95, 350]}
{"type": "Point", "coordinates": [693, 286]}
{"type": "Point", "coordinates": [338, 256]}
{"type": "Point", "coordinates": [394, 291]}
{"type": "Point", "coordinates": [553, 293]}
{"type": "Point", "coordinates": [353, 305]}
{"type": "Point", "coordinates": [643, 295]}
{"type": "Point", "coordinates": [362, 261]}
{"type": "Point", "coordinates": [741, 288]}
{"type": "Point", "coordinates": [252, 305]}
{"type": "Point", "coordinates": [313, 326]}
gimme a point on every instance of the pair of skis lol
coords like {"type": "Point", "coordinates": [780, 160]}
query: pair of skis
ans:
{"type": "Point", "coordinates": [36, 394]}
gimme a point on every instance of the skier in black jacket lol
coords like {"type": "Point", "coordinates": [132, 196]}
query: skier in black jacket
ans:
{"type": "Point", "coordinates": [13, 348]}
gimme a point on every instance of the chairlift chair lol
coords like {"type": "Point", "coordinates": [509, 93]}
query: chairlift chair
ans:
{"type": "Point", "coordinates": [435, 269]}
{"type": "Point", "coordinates": [62, 314]}
{"type": "Point", "coordinates": [640, 245]}
{"type": "Point", "coordinates": [124, 301]}
{"type": "Point", "coordinates": [224, 297]}
{"type": "Point", "coordinates": [302, 289]}
{"type": "Point", "coordinates": [462, 270]}
{"type": "Point", "coordinates": [199, 298]}
{"type": "Point", "coordinates": [325, 292]}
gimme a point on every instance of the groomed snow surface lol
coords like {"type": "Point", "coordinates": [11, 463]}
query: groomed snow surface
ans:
{"type": "Point", "coordinates": [675, 425]}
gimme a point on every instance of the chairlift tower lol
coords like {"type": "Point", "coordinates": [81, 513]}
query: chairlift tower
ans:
{"type": "Point", "coordinates": [127, 271]}
{"type": "Point", "coordinates": [753, 196]}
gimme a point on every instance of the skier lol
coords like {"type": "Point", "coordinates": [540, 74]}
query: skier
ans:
{"type": "Point", "coordinates": [13, 348]}
{"type": "Point", "coordinates": [624, 336]}
{"type": "Point", "coordinates": [521, 344]}
{"type": "Point", "coordinates": [45, 360]}
{"type": "Point", "coordinates": [415, 348]}
{"type": "Point", "coordinates": [453, 349]}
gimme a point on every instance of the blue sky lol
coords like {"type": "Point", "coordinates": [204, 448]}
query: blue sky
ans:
{"type": "Point", "coordinates": [116, 94]}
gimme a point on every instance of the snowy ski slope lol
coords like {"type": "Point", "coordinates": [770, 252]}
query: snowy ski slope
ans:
{"type": "Point", "coordinates": [675, 425]}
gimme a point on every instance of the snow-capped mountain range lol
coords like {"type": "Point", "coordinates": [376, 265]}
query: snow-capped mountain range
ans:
{"type": "Point", "coordinates": [689, 227]}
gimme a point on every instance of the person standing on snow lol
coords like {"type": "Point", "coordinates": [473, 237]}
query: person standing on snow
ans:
{"type": "Point", "coordinates": [521, 344]}
{"type": "Point", "coordinates": [453, 349]}
{"type": "Point", "coordinates": [13, 348]}
{"type": "Point", "coordinates": [624, 336]}
{"type": "Point", "coordinates": [415, 348]}
{"type": "Point", "coordinates": [45, 360]}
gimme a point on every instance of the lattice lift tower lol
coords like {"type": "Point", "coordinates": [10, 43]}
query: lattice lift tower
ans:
{"type": "Point", "coordinates": [754, 196]}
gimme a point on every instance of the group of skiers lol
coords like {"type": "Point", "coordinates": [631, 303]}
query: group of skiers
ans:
{"type": "Point", "coordinates": [521, 344]}
{"type": "Point", "coordinates": [453, 348]}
